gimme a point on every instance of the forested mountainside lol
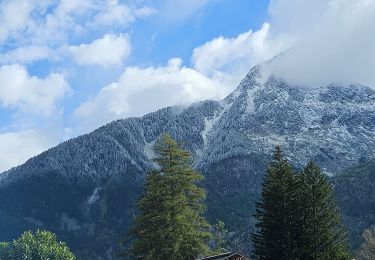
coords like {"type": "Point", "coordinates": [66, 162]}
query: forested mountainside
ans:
{"type": "Point", "coordinates": [85, 189]}
{"type": "Point", "coordinates": [355, 191]}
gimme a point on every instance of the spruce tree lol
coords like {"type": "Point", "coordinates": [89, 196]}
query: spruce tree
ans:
{"type": "Point", "coordinates": [276, 213]}
{"type": "Point", "coordinates": [171, 224]}
{"type": "Point", "coordinates": [323, 235]}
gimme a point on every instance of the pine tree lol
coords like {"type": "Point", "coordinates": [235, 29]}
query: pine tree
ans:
{"type": "Point", "coordinates": [276, 213]}
{"type": "Point", "coordinates": [171, 224]}
{"type": "Point", "coordinates": [323, 235]}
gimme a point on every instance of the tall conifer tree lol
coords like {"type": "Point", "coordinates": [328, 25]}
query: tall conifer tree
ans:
{"type": "Point", "coordinates": [171, 224]}
{"type": "Point", "coordinates": [276, 213]}
{"type": "Point", "coordinates": [322, 233]}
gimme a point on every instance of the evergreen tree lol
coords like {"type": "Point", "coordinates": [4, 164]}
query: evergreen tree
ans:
{"type": "Point", "coordinates": [276, 213]}
{"type": "Point", "coordinates": [323, 235]}
{"type": "Point", "coordinates": [171, 224]}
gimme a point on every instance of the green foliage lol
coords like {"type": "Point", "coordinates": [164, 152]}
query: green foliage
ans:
{"type": "Point", "coordinates": [220, 237]}
{"type": "Point", "coordinates": [276, 212]}
{"type": "Point", "coordinates": [171, 224]}
{"type": "Point", "coordinates": [41, 245]}
{"type": "Point", "coordinates": [297, 216]}
{"type": "Point", "coordinates": [322, 233]}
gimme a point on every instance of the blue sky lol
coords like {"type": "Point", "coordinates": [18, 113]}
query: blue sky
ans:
{"type": "Point", "coordinates": [68, 67]}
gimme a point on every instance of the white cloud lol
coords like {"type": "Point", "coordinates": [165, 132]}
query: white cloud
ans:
{"type": "Point", "coordinates": [50, 24]}
{"type": "Point", "coordinates": [27, 54]}
{"type": "Point", "coordinates": [305, 14]}
{"type": "Point", "coordinates": [144, 12]}
{"type": "Point", "coordinates": [232, 58]}
{"type": "Point", "coordinates": [115, 14]}
{"type": "Point", "coordinates": [45, 22]}
{"type": "Point", "coordinates": [176, 11]}
{"type": "Point", "coordinates": [110, 50]}
{"type": "Point", "coordinates": [29, 93]}
{"type": "Point", "coordinates": [335, 41]}
{"type": "Point", "coordinates": [14, 16]}
{"type": "Point", "coordinates": [142, 90]}
{"type": "Point", "coordinates": [17, 147]}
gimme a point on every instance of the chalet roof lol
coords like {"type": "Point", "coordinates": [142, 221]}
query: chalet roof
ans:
{"type": "Point", "coordinates": [226, 256]}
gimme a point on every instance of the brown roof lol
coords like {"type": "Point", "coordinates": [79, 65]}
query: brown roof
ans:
{"type": "Point", "coordinates": [226, 256]}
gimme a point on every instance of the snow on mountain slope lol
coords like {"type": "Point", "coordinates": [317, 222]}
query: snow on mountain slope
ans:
{"type": "Point", "coordinates": [330, 125]}
{"type": "Point", "coordinates": [334, 126]}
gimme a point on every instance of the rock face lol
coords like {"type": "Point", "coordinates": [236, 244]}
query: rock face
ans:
{"type": "Point", "coordinates": [85, 189]}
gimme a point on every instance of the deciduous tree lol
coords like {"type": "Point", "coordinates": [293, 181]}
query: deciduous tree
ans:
{"type": "Point", "coordinates": [41, 245]}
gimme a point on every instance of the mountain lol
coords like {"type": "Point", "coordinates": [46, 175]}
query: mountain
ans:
{"type": "Point", "coordinates": [85, 189]}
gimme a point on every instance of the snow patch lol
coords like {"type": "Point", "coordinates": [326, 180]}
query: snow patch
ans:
{"type": "Point", "coordinates": [250, 104]}
{"type": "Point", "coordinates": [94, 196]}
{"type": "Point", "coordinates": [209, 124]}
{"type": "Point", "coordinates": [69, 224]}
{"type": "Point", "coordinates": [149, 150]}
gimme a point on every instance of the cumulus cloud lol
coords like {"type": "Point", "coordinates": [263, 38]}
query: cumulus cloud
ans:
{"type": "Point", "coordinates": [17, 147]}
{"type": "Point", "coordinates": [231, 58]}
{"type": "Point", "coordinates": [54, 21]}
{"type": "Point", "coordinates": [42, 22]}
{"type": "Point", "coordinates": [14, 15]}
{"type": "Point", "coordinates": [52, 24]}
{"type": "Point", "coordinates": [29, 93]}
{"type": "Point", "coordinates": [142, 90]}
{"type": "Point", "coordinates": [118, 14]}
{"type": "Point", "coordinates": [110, 50]}
{"type": "Point", "coordinates": [26, 54]}
{"type": "Point", "coordinates": [334, 41]}
{"type": "Point", "coordinates": [114, 13]}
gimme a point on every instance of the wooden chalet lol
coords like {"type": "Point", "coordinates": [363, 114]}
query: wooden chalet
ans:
{"type": "Point", "coordinates": [226, 256]}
